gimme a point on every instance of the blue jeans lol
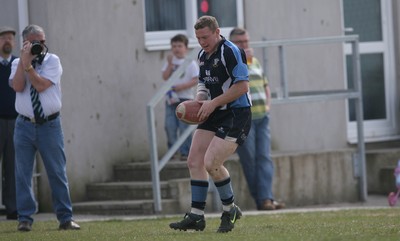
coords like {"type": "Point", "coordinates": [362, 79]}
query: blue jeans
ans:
{"type": "Point", "coordinates": [174, 127]}
{"type": "Point", "coordinates": [48, 140]}
{"type": "Point", "coordinates": [256, 161]}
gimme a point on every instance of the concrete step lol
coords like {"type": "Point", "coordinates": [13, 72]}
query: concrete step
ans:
{"type": "Point", "coordinates": [124, 207]}
{"type": "Point", "coordinates": [381, 163]}
{"type": "Point", "coordinates": [125, 191]}
{"type": "Point", "coordinates": [142, 171]}
{"type": "Point", "coordinates": [387, 180]}
{"type": "Point", "coordinates": [132, 195]}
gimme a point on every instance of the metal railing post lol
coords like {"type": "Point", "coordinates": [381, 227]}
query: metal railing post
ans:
{"type": "Point", "coordinates": [359, 118]}
{"type": "Point", "coordinates": [155, 177]}
{"type": "Point", "coordinates": [265, 59]}
{"type": "Point", "coordinates": [282, 67]}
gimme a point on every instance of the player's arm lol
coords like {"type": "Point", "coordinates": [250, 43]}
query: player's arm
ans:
{"type": "Point", "coordinates": [238, 71]}
{"type": "Point", "coordinates": [202, 92]}
{"type": "Point", "coordinates": [234, 92]}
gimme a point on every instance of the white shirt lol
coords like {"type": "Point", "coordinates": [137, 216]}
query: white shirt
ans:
{"type": "Point", "coordinates": [1, 59]}
{"type": "Point", "coordinates": [192, 70]}
{"type": "Point", "coordinates": [50, 98]}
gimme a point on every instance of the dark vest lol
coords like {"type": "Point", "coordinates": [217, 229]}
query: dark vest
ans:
{"type": "Point", "coordinates": [7, 94]}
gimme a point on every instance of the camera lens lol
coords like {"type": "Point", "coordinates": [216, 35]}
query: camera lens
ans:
{"type": "Point", "coordinates": [36, 48]}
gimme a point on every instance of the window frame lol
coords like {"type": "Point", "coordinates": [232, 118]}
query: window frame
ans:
{"type": "Point", "coordinates": [160, 40]}
{"type": "Point", "coordinates": [380, 129]}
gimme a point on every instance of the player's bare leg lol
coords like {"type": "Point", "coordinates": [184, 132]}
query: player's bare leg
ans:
{"type": "Point", "coordinates": [217, 153]}
{"type": "Point", "coordinates": [199, 182]}
{"type": "Point", "coordinates": [200, 143]}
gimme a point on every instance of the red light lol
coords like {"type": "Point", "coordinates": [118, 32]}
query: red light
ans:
{"type": "Point", "coordinates": [204, 6]}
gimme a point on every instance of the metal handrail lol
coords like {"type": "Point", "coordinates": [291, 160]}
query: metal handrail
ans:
{"type": "Point", "coordinates": [285, 98]}
{"type": "Point", "coordinates": [156, 164]}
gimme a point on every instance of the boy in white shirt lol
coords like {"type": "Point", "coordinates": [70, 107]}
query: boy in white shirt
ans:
{"type": "Point", "coordinates": [181, 90]}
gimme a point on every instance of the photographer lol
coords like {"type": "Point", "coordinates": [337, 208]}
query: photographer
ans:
{"type": "Point", "coordinates": [36, 77]}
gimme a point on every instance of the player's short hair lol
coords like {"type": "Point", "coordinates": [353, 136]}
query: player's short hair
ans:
{"type": "Point", "coordinates": [206, 21]}
{"type": "Point", "coordinates": [180, 38]}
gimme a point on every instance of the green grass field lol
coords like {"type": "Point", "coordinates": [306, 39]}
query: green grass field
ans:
{"type": "Point", "coordinates": [357, 224]}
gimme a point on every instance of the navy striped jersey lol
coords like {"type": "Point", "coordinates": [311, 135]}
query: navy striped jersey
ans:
{"type": "Point", "coordinates": [221, 70]}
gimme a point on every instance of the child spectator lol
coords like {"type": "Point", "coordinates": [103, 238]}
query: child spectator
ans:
{"type": "Point", "coordinates": [181, 90]}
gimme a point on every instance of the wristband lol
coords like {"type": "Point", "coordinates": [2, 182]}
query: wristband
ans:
{"type": "Point", "coordinates": [29, 68]}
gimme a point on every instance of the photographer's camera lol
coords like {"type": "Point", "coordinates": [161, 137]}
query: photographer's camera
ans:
{"type": "Point", "coordinates": [36, 48]}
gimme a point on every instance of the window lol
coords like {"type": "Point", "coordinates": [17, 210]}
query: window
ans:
{"type": "Point", "coordinates": [166, 18]}
{"type": "Point", "coordinates": [372, 21]}
{"type": "Point", "coordinates": [159, 15]}
{"type": "Point", "coordinates": [364, 18]}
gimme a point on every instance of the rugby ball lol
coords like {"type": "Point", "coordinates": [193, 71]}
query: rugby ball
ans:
{"type": "Point", "coordinates": [187, 112]}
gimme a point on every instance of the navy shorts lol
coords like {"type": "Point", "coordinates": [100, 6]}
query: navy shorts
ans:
{"type": "Point", "coordinates": [231, 125]}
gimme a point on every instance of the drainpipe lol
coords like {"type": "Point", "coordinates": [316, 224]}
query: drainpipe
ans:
{"type": "Point", "coordinates": [23, 17]}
